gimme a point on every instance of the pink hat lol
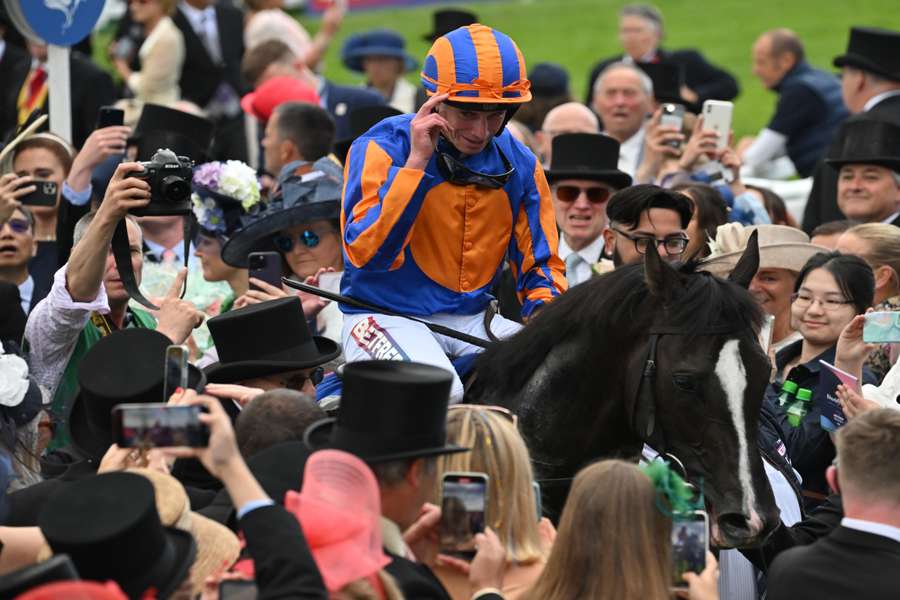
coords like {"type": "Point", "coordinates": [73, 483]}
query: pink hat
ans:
{"type": "Point", "coordinates": [75, 590]}
{"type": "Point", "coordinates": [340, 513]}
{"type": "Point", "coordinates": [263, 101]}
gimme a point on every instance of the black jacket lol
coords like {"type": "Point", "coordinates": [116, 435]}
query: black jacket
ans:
{"type": "Point", "coordinates": [415, 580]}
{"type": "Point", "coordinates": [200, 76]}
{"type": "Point", "coordinates": [283, 562]}
{"type": "Point", "coordinates": [707, 80]}
{"type": "Point", "coordinates": [846, 564]}
{"type": "Point", "coordinates": [14, 67]}
{"type": "Point", "coordinates": [821, 206]}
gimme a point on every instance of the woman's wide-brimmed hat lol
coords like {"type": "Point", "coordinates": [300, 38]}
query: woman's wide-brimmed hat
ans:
{"type": "Point", "coordinates": [390, 410]}
{"type": "Point", "coordinates": [110, 528]}
{"type": "Point", "coordinates": [378, 42]}
{"type": "Point", "coordinates": [223, 193]}
{"type": "Point", "coordinates": [307, 193]}
{"type": "Point", "coordinates": [265, 339]}
{"type": "Point", "coordinates": [780, 247]}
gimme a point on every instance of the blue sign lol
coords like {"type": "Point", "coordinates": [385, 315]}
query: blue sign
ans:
{"type": "Point", "coordinates": [61, 22]}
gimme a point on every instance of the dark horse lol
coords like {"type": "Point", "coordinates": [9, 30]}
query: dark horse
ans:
{"type": "Point", "coordinates": [648, 353]}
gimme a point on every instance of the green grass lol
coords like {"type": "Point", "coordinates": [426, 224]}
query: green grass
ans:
{"type": "Point", "coordinates": [577, 33]}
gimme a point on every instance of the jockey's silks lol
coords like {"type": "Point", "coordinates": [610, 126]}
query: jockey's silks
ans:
{"type": "Point", "coordinates": [419, 245]}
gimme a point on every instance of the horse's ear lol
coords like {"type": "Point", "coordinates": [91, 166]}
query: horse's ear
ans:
{"type": "Point", "coordinates": [747, 266]}
{"type": "Point", "coordinates": [661, 279]}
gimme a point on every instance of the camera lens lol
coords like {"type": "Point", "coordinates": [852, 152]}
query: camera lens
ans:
{"type": "Point", "coordinates": [175, 189]}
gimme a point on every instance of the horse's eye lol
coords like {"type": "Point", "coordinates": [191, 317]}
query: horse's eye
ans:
{"type": "Point", "coordinates": [684, 382]}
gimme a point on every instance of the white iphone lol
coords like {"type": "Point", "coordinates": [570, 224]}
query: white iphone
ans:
{"type": "Point", "coordinates": [717, 117]}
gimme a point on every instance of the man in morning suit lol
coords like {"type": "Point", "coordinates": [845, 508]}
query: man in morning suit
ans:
{"type": "Point", "coordinates": [861, 558]}
{"type": "Point", "coordinates": [14, 65]}
{"type": "Point", "coordinates": [640, 32]}
{"type": "Point", "coordinates": [870, 83]}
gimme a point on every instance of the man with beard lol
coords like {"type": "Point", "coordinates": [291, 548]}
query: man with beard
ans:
{"type": "Point", "coordinates": [642, 216]}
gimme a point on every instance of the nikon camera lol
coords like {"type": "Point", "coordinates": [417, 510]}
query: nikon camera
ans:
{"type": "Point", "coordinates": [170, 178]}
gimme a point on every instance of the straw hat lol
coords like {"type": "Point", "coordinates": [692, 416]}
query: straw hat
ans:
{"type": "Point", "coordinates": [216, 544]}
{"type": "Point", "coordinates": [780, 247]}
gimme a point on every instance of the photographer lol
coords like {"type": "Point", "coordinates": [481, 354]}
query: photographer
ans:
{"type": "Point", "coordinates": [88, 300]}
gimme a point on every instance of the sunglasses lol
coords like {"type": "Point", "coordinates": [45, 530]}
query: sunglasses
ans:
{"type": "Point", "coordinates": [454, 171]}
{"type": "Point", "coordinates": [295, 382]}
{"type": "Point", "coordinates": [497, 410]}
{"type": "Point", "coordinates": [18, 225]}
{"type": "Point", "coordinates": [307, 237]}
{"type": "Point", "coordinates": [570, 193]}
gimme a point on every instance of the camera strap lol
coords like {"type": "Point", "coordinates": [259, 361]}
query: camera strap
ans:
{"type": "Point", "coordinates": [121, 249]}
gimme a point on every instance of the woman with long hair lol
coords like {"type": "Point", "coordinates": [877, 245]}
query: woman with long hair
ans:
{"type": "Point", "coordinates": [614, 542]}
{"type": "Point", "coordinates": [499, 452]}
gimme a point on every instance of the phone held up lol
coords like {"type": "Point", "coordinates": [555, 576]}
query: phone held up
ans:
{"type": "Point", "coordinates": [158, 426]}
{"type": "Point", "coordinates": [717, 117]}
{"type": "Point", "coordinates": [175, 370]}
{"type": "Point", "coordinates": [881, 328]}
{"type": "Point", "coordinates": [690, 541]}
{"type": "Point", "coordinates": [265, 266]}
{"type": "Point", "coordinates": [463, 511]}
{"type": "Point", "coordinates": [45, 193]}
{"type": "Point", "coordinates": [110, 116]}
{"type": "Point", "coordinates": [672, 116]}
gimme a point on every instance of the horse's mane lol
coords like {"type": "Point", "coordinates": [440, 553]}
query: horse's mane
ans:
{"type": "Point", "coordinates": [615, 310]}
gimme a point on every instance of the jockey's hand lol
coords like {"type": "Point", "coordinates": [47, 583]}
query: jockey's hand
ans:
{"type": "Point", "coordinates": [424, 130]}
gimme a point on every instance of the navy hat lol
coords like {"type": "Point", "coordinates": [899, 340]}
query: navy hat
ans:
{"type": "Point", "coordinates": [867, 142]}
{"type": "Point", "coordinates": [378, 42]}
{"type": "Point", "coordinates": [449, 19]}
{"type": "Point", "coordinates": [308, 193]}
{"type": "Point", "coordinates": [548, 80]}
{"type": "Point", "coordinates": [874, 50]}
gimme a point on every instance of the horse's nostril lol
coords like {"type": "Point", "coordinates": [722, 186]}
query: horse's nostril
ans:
{"type": "Point", "coordinates": [734, 524]}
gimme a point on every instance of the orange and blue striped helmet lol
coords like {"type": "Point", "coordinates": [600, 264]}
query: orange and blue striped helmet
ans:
{"type": "Point", "coordinates": [476, 64]}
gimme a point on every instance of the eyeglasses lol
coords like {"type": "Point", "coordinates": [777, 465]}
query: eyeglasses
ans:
{"type": "Point", "coordinates": [805, 300]}
{"type": "Point", "coordinates": [497, 410]}
{"type": "Point", "coordinates": [297, 380]}
{"type": "Point", "coordinates": [454, 171]}
{"type": "Point", "coordinates": [570, 193]}
{"type": "Point", "coordinates": [307, 237]}
{"type": "Point", "coordinates": [18, 225]}
{"type": "Point", "coordinates": [674, 244]}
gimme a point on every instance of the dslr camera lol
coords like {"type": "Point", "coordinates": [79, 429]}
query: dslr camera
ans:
{"type": "Point", "coordinates": [170, 178]}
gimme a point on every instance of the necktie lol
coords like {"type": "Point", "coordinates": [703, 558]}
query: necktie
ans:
{"type": "Point", "coordinates": [573, 261]}
{"type": "Point", "coordinates": [169, 256]}
{"type": "Point", "coordinates": [205, 34]}
{"type": "Point", "coordinates": [33, 92]}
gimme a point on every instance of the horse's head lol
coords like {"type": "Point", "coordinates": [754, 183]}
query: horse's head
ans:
{"type": "Point", "coordinates": [699, 400]}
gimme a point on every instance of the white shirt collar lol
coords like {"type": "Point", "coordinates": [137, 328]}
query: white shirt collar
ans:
{"type": "Point", "coordinates": [874, 100]}
{"type": "Point", "coordinates": [196, 15]}
{"type": "Point", "coordinates": [2, 48]}
{"type": "Point", "coordinates": [891, 218]}
{"type": "Point", "coordinates": [26, 291]}
{"type": "Point", "coordinates": [872, 527]}
{"type": "Point", "coordinates": [590, 253]}
{"type": "Point", "coordinates": [630, 152]}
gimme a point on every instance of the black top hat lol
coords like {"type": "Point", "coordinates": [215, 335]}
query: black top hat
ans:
{"type": "Point", "coordinates": [162, 127]}
{"type": "Point", "coordinates": [449, 19]}
{"type": "Point", "coordinates": [310, 194]}
{"type": "Point", "coordinates": [874, 50]}
{"type": "Point", "coordinates": [866, 141]}
{"type": "Point", "coordinates": [57, 568]}
{"type": "Point", "coordinates": [587, 156]}
{"type": "Point", "coordinates": [110, 528]}
{"type": "Point", "coordinates": [126, 366]}
{"type": "Point", "coordinates": [667, 78]}
{"type": "Point", "coordinates": [264, 339]}
{"type": "Point", "coordinates": [548, 80]}
{"type": "Point", "coordinates": [390, 410]}
{"type": "Point", "coordinates": [362, 119]}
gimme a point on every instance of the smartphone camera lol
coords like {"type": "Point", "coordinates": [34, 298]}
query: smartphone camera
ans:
{"type": "Point", "coordinates": [463, 510]}
{"type": "Point", "coordinates": [176, 370]}
{"type": "Point", "coordinates": [672, 116]}
{"type": "Point", "coordinates": [690, 541]}
{"type": "Point", "coordinates": [45, 194]}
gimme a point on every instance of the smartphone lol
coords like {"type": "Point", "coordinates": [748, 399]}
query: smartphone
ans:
{"type": "Point", "coordinates": [265, 266]}
{"type": "Point", "coordinates": [158, 426]}
{"type": "Point", "coordinates": [690, 541]}
{"type": "Point", "coordinates": [237, 589]}
{"type": "Point", "coordinates": [44, 195]}
{"type": "Point", "coordinates": [176, 370]}
{"type": "Point", "coordinates": [110, 116]}
{"type": "Point", "coordinates": [463, 512]}
{"type": "Point", "coordinates": [672, 116]}
{"type": "Point", "coordinates": [717, 117]}
{"type": "Point", "coordinates": [882, 328]}
{"type": "Point", "coordinates": [766, 332]}
{"type": "Point", "coordinates": [537, 500]}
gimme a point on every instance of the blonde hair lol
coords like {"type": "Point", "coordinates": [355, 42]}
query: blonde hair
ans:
{"type": "Point", "coordinates": [168, 6]}
{"type": "Point", "coordinates": [884, 247]}
{"type": "Point", "coordinates": [867, 450]}
{"type": "Point", "coordinates": [613, 543]}
{"type": "Point", "coordinates": [498, 451]}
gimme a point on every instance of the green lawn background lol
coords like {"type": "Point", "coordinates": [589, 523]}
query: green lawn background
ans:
{"type": "Point", "coordinates": [577, 33]}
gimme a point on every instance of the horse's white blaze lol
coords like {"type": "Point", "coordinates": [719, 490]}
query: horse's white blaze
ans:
{"type": "Point", "coordinates": [733, 377]}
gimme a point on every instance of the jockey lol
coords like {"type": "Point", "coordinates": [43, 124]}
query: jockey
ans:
{"type": "Point", "coordinates": [434, 202]}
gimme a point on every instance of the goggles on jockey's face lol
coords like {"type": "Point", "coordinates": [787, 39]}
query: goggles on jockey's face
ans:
{"type": "Point", "coordinates": [454, 171]}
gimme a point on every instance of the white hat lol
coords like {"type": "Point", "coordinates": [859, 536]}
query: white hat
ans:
{"type": "Point", "coordinates": [780, 247]}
